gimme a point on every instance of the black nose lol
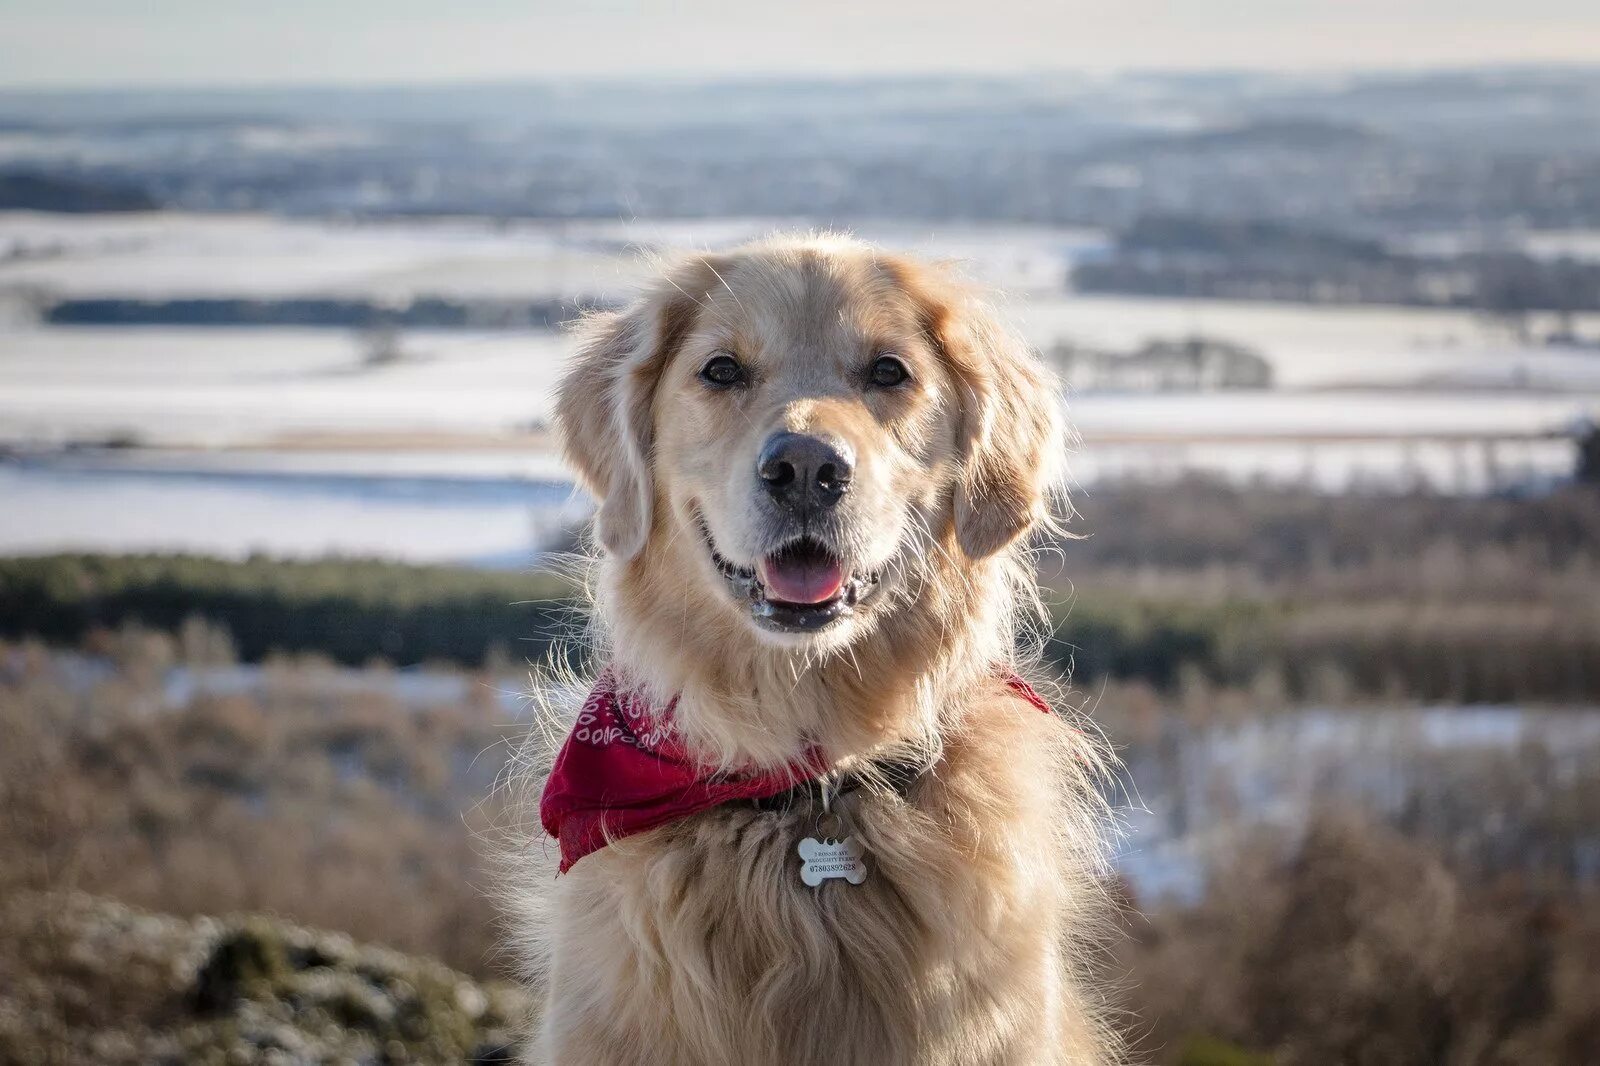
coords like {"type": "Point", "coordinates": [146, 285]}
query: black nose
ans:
{"type": "Point", "coordinates": [801, 471]}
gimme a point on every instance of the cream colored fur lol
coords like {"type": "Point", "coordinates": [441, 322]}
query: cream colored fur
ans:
{"type": "Point", "coordinates": [697, 943]}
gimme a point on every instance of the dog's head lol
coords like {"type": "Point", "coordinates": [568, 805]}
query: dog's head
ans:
{"type": "Point", "coordinates": [796, 434]}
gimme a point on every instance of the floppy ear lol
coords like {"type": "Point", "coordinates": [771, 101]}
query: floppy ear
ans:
{"type": "Point", "coordinates": [604, 409]}
{"type": "Point", "coordinates": [1011, 437]}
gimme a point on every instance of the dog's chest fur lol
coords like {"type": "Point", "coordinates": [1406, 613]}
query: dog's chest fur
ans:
{"type": "Point", "coordinates": [699, 944]}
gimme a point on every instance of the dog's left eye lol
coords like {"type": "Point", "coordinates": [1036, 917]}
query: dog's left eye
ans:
{"type": "Point", "coordinates": [887, 372]}
{"type": "Point", "coordinates": [722, 370]}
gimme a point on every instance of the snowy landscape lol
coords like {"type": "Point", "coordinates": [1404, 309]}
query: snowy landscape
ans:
{"type": "Point", "coordinates": [233, 421]}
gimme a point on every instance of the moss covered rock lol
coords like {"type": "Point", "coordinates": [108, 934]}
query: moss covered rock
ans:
{"type": "Point", "coordinates": [98, 981]}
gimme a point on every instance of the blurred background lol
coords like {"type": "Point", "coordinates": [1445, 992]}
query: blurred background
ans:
{"type": "Point", "coordinates": [282, 528]}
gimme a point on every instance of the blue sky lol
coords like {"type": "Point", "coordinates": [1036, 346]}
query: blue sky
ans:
{"type": "Point", "coordinates": [187, 42]}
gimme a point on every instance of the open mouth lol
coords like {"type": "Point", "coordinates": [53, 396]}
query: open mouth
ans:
{"type": "Point", "coordinates": [800, 588]}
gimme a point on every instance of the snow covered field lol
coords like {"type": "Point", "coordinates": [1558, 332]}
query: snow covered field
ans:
{"type": "Point", "coordinates": [206, 386]}
{"type": "Point", "coordinates": [1362, 393]}
{"type": "Point", "coordinates": [477, 518]}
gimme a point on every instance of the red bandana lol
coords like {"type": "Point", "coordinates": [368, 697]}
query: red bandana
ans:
{"type": "Point", "coordinates": [623, 770]}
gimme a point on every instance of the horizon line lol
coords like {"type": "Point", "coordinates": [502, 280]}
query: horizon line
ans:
{"type": "Point", "coordinates": [800, 77]}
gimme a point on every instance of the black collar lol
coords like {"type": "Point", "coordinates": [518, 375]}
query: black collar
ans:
{"type": "Point", "coordinates": [895, 775]}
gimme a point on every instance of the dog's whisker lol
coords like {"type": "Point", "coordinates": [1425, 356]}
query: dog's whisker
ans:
{"type": "Point", "coordinates": [724, 281]}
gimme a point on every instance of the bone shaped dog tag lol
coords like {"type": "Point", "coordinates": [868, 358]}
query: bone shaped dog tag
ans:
{"type": "Point", "coordinates": [825, 859]}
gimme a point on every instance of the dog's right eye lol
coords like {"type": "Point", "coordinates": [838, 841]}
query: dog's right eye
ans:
{"type": "Point", "coordinates": [722, 371]}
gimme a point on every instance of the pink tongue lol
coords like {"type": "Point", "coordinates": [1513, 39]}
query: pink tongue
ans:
{"type": "Point", "coordinates": [802, 579]}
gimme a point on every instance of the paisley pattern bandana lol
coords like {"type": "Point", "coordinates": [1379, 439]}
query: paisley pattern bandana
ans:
{"type": "Point", "coordinates": [623, 770]}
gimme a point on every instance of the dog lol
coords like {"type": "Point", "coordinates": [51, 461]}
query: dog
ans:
{"type": "Point", "coordinates": [811, 813]}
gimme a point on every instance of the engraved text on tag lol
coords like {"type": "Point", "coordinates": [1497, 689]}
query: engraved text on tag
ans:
{"type": "Point", "coordinates": [825, 859]}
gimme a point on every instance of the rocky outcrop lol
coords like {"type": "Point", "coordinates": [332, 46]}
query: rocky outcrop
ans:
{"type": "Point", "coordinates": [84, 979]}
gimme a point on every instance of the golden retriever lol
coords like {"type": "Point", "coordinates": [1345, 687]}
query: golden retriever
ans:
{"type": "Point", "coordinates": [817, 467]}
